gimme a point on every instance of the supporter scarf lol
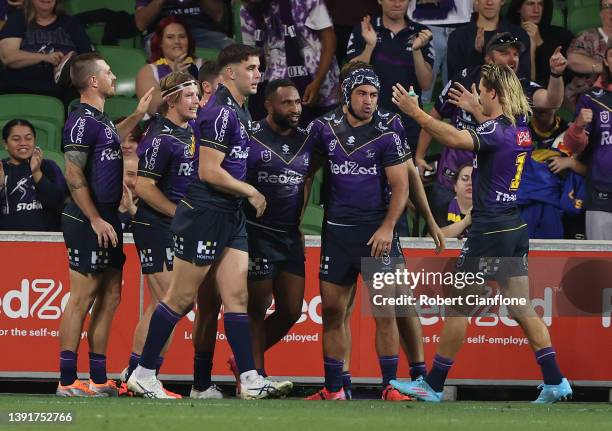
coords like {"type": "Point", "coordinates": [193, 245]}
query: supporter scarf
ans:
{"type": "Point", "coordinates": [283, 25]}
{"type": "Point", "coordinates": [432, 9]}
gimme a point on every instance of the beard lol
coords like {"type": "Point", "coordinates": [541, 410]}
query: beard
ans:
{"type": "Point", "coordinates": [282, 121]}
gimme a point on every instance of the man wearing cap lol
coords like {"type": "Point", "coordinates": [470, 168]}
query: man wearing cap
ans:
{"type": "Point", "coordinates": [459, 103]}
{"type": "Point", "coordinates": [366, 160]}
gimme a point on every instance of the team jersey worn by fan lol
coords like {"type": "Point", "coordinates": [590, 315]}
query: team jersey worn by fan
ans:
{"type": "Point", "coordinates": [358, 190]}
{"type": "Point", "coordinates": [168, 155]}
{"type": "Point", "coordinates": [277, 167]}
{"type": "Point", "coordinates": [225, 126]}
{"type": "Point", "coordinates": [91, 131]}
{"type": "Point", "coordinates": [501, 149]}
{"type": "Point", "coordinates": [451, 159]}
{"type": "Point", "coordinates": [599, 149]}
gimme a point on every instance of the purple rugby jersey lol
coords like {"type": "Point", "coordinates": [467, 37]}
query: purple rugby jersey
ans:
{"type": "Point", "coordinates": [168, 155]}
{"type": "Point", "coordinates": [451, 159]}
{"type": "Point", "coordinates": [224, 126]}
{"type": "Point", "coordinates": [91, 131]}
{"type": "Point", "coordinates": [277, 167]}
{"type": "Point", "coordinates": [599, 150]}
{"type": "Point", "coordinates": [357, 191]}
{"type": "Point", "coordinates": [501, 153]}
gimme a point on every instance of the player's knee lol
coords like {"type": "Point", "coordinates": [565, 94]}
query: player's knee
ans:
{"type": "Point", "coordinates": [333, 315]}
{"type": "Point", "coordinates": [292, 312]}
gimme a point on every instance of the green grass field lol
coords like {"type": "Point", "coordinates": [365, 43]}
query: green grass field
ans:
{"type": "Point", "coordinates": [280, 415]}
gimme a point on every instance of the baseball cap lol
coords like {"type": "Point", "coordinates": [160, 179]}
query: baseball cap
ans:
{"type": "Point", "coordinates": [501, 41]}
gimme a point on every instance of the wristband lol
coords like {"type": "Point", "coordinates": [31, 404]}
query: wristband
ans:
{"type": "Point", "coordinates": [556, 75]}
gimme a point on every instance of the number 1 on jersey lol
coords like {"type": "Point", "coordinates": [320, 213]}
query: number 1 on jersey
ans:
{"type": "Point", "coordinates": [520, 164]}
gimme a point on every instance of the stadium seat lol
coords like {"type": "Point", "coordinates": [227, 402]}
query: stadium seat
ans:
{"type": "Point", "coordinates": [45, 113]}
{"type": "Point", "coordinates": [236, 15]}
{"type": "Point", "coordinates": [312, 220]}
{"type": "Point", "coordinates": [557, 15]}
{"type": "Point", "coordinates": [207, 53]}
{"type": "Point", "coordinates": [583, 18]}
{"type": "Point", "coordinates": [125, 64]}
{"type": "Point", "coordinates": [77, 6]}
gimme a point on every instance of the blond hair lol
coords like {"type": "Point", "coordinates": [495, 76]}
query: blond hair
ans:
{"type": "Point", "coordinates": [503, 80]}
{"type": "Point", "coordinates": [166, 83]}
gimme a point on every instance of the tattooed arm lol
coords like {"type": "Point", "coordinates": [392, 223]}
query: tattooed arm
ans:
{"type": "Point", "coordinates": [79, 190]}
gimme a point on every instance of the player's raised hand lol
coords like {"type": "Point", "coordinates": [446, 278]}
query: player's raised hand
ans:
{"type": "Point", "coordinates": [381, 241]}
{"type": "Point", "coordinates": [258, 201]}
{"type": "Point", "coordinates": [557, 62]}
{"type": "Point", "coordinates": [104, 231]}
{"type": "Point", "coordinates": [407, 101]}
{"type": "Point", "coordinates": [144, 102]}
{"type": "Point", "coordinates": [421, 40]}
{"type": "Point", "coordinates": [367, 31]}
{"type": "Point", "coordinates": [584, 117]}
{"type": "Point", "coordinates": [467, 100]}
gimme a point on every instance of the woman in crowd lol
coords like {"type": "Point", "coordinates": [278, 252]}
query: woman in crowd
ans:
{"type": "Point", "coordinates": [172, 50]}
{"type": "Point", "coordinates": [32, 189]}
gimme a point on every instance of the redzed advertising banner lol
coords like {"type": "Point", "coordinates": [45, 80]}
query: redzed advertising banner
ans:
{"type": "Point", "coordinates": [571, 287]}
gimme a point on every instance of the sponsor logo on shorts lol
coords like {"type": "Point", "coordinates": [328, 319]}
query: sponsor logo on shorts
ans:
{"type": "Point", "coordinates": [259, 266]}
{"type": "Point", "coordinates": [206, 249]}
{"type": "Point", "coordinates": [146, 258]}
{"type": "Point", "coordinates": [324, 266]}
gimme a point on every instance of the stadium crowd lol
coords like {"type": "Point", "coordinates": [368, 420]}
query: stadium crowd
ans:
{"type": "Point", "coordinates": [184, 130]}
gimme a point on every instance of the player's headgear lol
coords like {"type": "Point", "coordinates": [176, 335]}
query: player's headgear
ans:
{"type": "Point", "coordinates": [355, 79]}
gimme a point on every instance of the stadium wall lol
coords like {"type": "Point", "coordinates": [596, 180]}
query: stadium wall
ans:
{"type": "Point", "coordinates": [573, 291]}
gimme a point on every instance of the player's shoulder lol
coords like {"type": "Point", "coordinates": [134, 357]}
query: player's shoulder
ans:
{"type": "Point", "coordinates": [490, 126]}
{"type": "Point", "coordinates": [335, 116]}
{"type": "Point", "coordinates": [597, 93]}
{"type": "Point", "coordinates": [87, 113]}
{"type": "Point", "coordinates": [258, 127]}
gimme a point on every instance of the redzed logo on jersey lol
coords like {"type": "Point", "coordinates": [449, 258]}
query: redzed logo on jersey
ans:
{"type": "Point", "coordinates": [523, 138]}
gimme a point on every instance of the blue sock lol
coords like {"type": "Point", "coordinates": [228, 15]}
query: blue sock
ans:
{"type": "Point", "coordinates": [417, 369]}
{"type": "Point", "coordinates": [388, 368]}
{"type": "Point", "coordinates": [134, 358]}
{"type": "Point", "coordinates": [97, 368]}
{"type": "Point", "coordinates": [158, 365]}
{"type": "Point", "coordinates": [262, 372]}
{"type": "Point", "coordinates": [333, 374]}
{"type": "Point", "coordinates": [238, 335]}
{"type": "Point", "coordinates": [346, 384]}
{"type": "Point", "coordinates": [68, 367]}
{"type": "Point", "coordinates": [161, 326]}
{"type": "Point", "coordinates": [439, 370]}
{"type": "Point", "coordinates": [547, 359]}
{"type": "Point", "coordinates": [202, 370]}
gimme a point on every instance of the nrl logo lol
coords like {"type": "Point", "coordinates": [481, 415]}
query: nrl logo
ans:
{"type": "Point", "coordinates": [332, 145]}
{"type": "Point", "coordinates": [604, 116]}
{"type": "Point", "coordinates": [266, 155]}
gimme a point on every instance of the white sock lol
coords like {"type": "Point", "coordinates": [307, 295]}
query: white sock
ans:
{"type": "Point", "coordinates": [144, 373]}
{"type": "Point", "coordinates": [248, 376]}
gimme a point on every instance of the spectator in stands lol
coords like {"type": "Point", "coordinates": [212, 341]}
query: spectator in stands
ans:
{"type": "Point", "coordinates": [543, 178]}
{"type": "Point", "coordinates": [130, 143]}
{"type": "Point", "coordinates": [534, 17]}
{"type": "Point", "coordinates": [35, 43]}
{"type": "Point", "coordinates": [209, 21]}
{"type": "Point", "coordinates": [5, 7]}
{"type": "Point", "coordinates": [466, 45]}
{"type": "Point", "coordinates": [400, 51]}
{"type": "Point", "coordinates": [345, 18]}
{"type": "Point", "coordinates": [172, 50]}
{"type": "Point", "coordinates": [129, 200]}
{"type": "Point", "coordinates": [209, 77]}
{"type": "Point", "coordinates": [303, 52]}
{"type": "Point", "coordinates": [590, 133]}
{"type": "Point", "coordinates": [442, 19]}
{"type": "Point", "coordinates": [32, 189]}
{"type": "Point", "coordinates": [586, 54]}
{"type": "Point", "coordinates": [459, 217]}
